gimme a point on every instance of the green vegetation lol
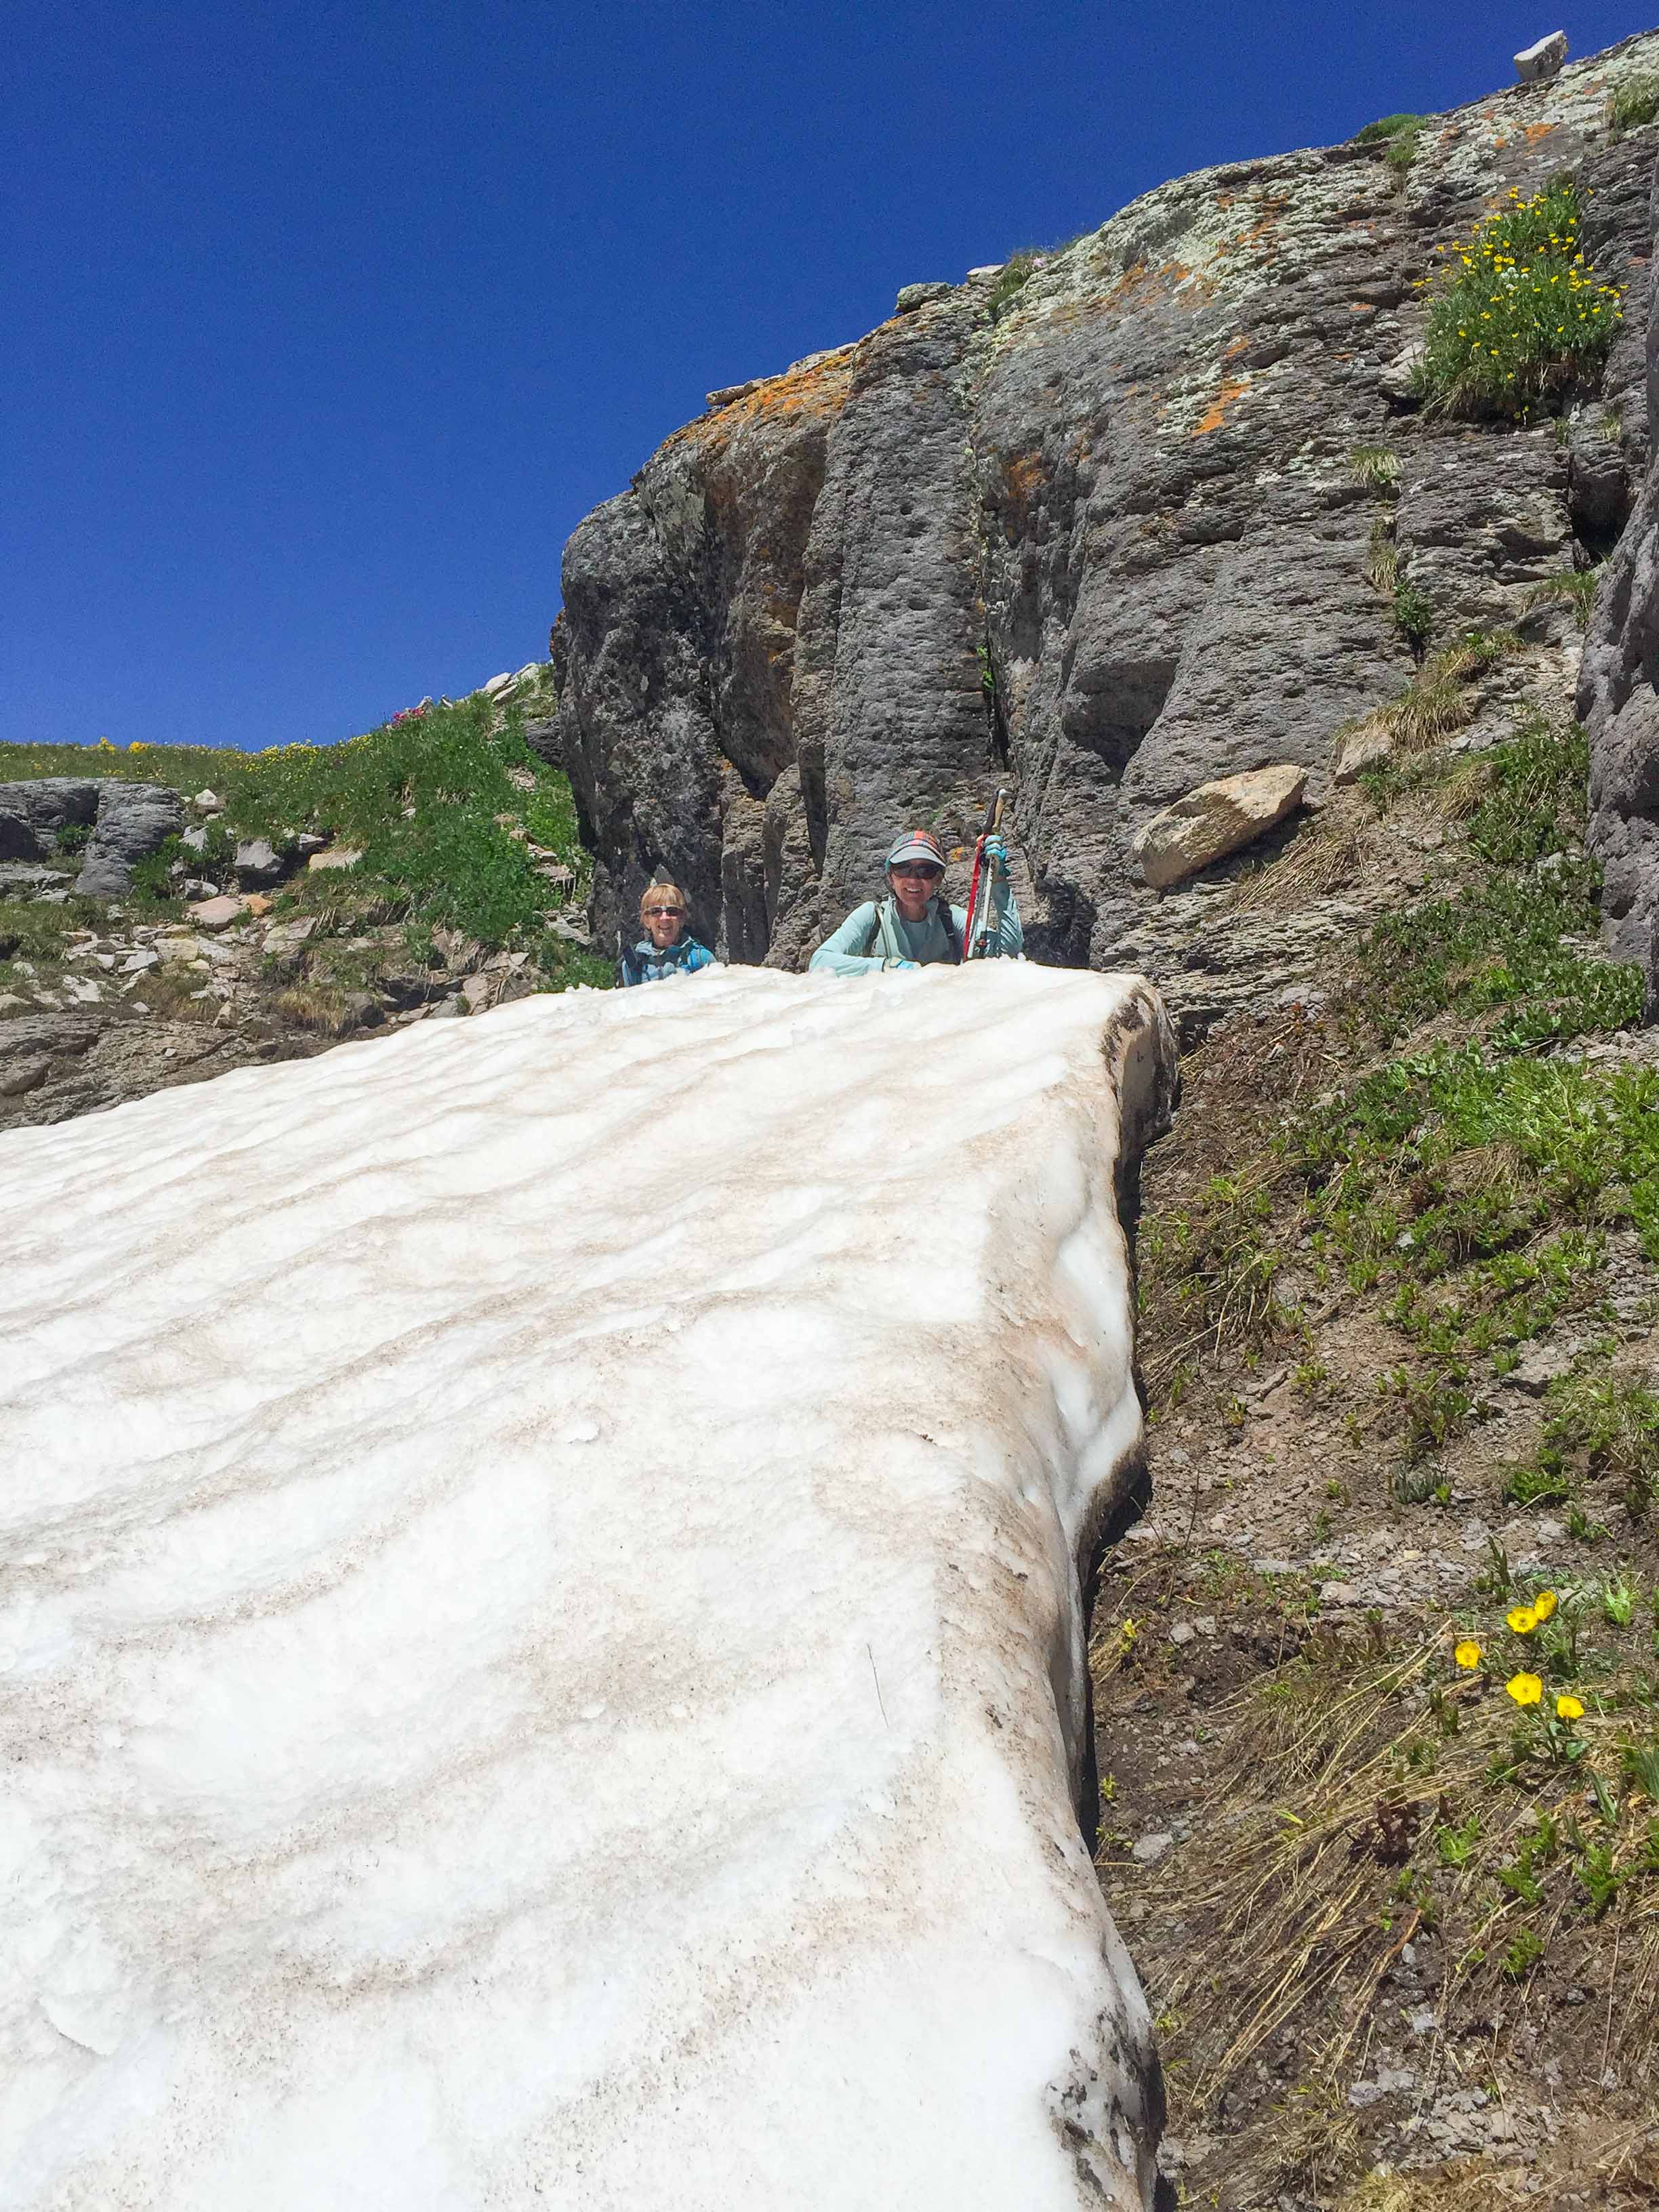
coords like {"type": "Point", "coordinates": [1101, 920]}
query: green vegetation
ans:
{"type": "Point", "coordinates": [1574, 588]}
{"type": "Point", "coordinates": [1610, 1424]}
{"type": "Point", "coordinates": [442, 804]}
{"type": "Point", "coordinates": [1377, 467]}
{"type": "Point", "coordinates": [1399, 135]}
{"type": "Point", "coordinates": [1516, 317]}
{"type": "Point", "coordinates": [1437, 701]}
{"type": "Point", "coordinates": [1635, 103]}
{"type": "Point", "coordinates": [1412, 615]}
{"type": "Point", "coordinates": [1020, 266]}
{"type": "Point", "coordinates": [1462, 1180]}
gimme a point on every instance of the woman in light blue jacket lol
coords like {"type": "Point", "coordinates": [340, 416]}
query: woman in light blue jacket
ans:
{"type": "Point", "coordinates": [666, 949]}
{"type": "Point", "coordinates": [913, 926]}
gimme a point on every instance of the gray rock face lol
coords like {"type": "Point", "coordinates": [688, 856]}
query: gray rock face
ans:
{"type": "Point", "coordinates": [1619, 708]}
{"type": "Point", "coordinates": [128, 822]}
{"type": "Point", "coordinates": [1102, 547]}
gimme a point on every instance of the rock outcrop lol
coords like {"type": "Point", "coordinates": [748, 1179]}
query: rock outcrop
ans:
{"type": "Point", "coordinates": [120, 823]}
{"type": "Point", "coordinates": [523, 1687]}
{"type": "Point", "coordinates": [1620, 706]}
{"type": "Point", "coordinates": [1099, 536]}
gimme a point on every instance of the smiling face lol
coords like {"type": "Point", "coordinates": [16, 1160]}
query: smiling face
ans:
{"type": "Point", "coordinates": [913, 883]}
{"type": "Point", "coordinates": [662, 914]}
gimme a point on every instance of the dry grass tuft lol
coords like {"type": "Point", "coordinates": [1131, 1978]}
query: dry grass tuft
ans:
{"type": "Point", "coordinates": [1322, 859]}
{"type": "Point", "coordinates": [315, 1005]}
{"type": "Point", "coordinates": [1376, 1793]}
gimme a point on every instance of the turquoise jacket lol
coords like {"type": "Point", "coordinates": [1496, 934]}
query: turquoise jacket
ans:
{"type": "Point", "coordinates": [876, 935]}
{"type": "Point", "coordinates": [643, 963]}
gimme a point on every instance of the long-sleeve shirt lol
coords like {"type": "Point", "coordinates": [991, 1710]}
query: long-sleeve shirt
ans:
{"type": "Point", "coordinates": [875, 936]}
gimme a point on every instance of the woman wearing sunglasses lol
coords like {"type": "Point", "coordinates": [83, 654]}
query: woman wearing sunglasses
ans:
{"type": "Point", "coordinates": [666, 949]}
{"type": "Point", "coordinates": [913, 926]}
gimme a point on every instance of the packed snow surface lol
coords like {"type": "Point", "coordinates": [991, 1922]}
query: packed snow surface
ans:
{"type": "Point", "coordinates": [540, 1660]}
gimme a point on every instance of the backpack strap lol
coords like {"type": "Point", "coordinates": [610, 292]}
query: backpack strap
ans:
{"type": "Point", "coordinates": [950, 937]}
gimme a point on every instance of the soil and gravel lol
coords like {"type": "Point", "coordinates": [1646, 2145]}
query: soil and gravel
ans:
{"type": "Point", "coordinates": [1401, 1931]}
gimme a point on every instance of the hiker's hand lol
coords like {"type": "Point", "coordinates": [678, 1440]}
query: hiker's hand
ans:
{"type": "Point", "coordinates": [996, 852]}
{"type": "Point", "coordinates": [901, 963]}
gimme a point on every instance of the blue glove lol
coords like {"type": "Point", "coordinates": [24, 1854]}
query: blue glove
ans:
{"type": "Point", "coordinates": [901, 963]}
{"type": "Point", "coordinates": [997, 854]}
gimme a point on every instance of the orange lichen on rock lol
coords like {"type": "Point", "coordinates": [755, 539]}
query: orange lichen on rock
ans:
{"type": "Point", "coordinates": [820, 390]}
{"type": "Point", "coordinates": [1536, 131]}
{"type": "Point", "coordinates": [1216, 414]}
{"type": "Point", "coordinates": [1238, 345]}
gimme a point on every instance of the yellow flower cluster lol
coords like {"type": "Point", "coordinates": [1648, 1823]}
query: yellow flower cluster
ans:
{"type": "Point", "coordinates": [1516, 306]}
{"type": "Point", "coordinates": [1523, 1619]}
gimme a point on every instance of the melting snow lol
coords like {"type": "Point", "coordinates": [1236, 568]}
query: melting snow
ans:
{"type": "Point", "coordinates": [539, 1644]}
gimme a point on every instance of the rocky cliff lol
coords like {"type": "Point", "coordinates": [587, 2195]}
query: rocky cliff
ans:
{"type": "Point", "coordinates": [1097, 535]}
{"type": "Point", "coordinates": [1616, 698]}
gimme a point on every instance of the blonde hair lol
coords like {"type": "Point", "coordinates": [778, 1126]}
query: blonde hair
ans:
{"type": "Point", "coordinates": [657, 895]}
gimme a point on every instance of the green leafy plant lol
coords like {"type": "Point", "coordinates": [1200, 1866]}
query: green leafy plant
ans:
{"type": "Point", "coordinates": [1614, 1421]}
{"type": "Point", "coordinates": [1399, 136]}
{"type": "Point", "coordinates": [1617, 1601]}
{"type": "Point", "coordinates": [1413, 617]}
{"type": "Point", "coordinates": [1598, 1878]}
{"type": "Point", "coordinates": [1634, 103]}
{"type": "Point", "coordinates": [1522, 1955]}
{"type": "Point", "coordinates": [1516, 316]}
{"type": "Point", "coordinates": [1457, 1845]}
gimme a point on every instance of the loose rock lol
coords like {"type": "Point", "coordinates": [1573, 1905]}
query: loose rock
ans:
{"type": "Point", "coordinates": [1215, 820]}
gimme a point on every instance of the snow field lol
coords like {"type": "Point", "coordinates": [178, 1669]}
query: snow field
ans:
{"type": "Point", "coordinates": [540, 1657]}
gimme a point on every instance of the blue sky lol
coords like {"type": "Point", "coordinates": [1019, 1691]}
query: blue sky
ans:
{"type": "Point", "coordinates": [331, 321]}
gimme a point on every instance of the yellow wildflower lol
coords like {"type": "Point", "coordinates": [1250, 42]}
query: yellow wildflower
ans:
{"type": "Point", "coordinates": [1525, 1689]}
{"type": "Point", "coordinates": [1569, 1708]}
{"type": "Point", "coordinates": [1544, 1605]}
{"type": "Point", "coordinates": [1522, 1619]}
{"type": "Point", "coordinates": [1467, 1653]}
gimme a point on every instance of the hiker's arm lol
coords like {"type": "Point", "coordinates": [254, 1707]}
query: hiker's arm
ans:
{"type": "Point", "coordinates": [835, 956]}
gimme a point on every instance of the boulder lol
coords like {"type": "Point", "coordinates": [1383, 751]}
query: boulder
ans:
{"type": "Point", "coordinates": [370, 1628]}
{"type": "Point", "coordinates": [1215, 820]}
{"type": "Point", "coordinates": [912, 296]}
{"type": "Point", "coordinates": [1544, 59]}
{"type": "Point", "coordinates": [258, 864]}
{"type": "Point", "coordinates": [216, 912]}
{"type": "Point", "coordinates": [1356, 750]}
{"type": "Point", "coordinates": [335, 856]}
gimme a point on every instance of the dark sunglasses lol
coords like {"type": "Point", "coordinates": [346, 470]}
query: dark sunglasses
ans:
{"type": "Point", "coordinates": [925, 870]}
{"type": "Point", "coordinates": [674, 912]}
